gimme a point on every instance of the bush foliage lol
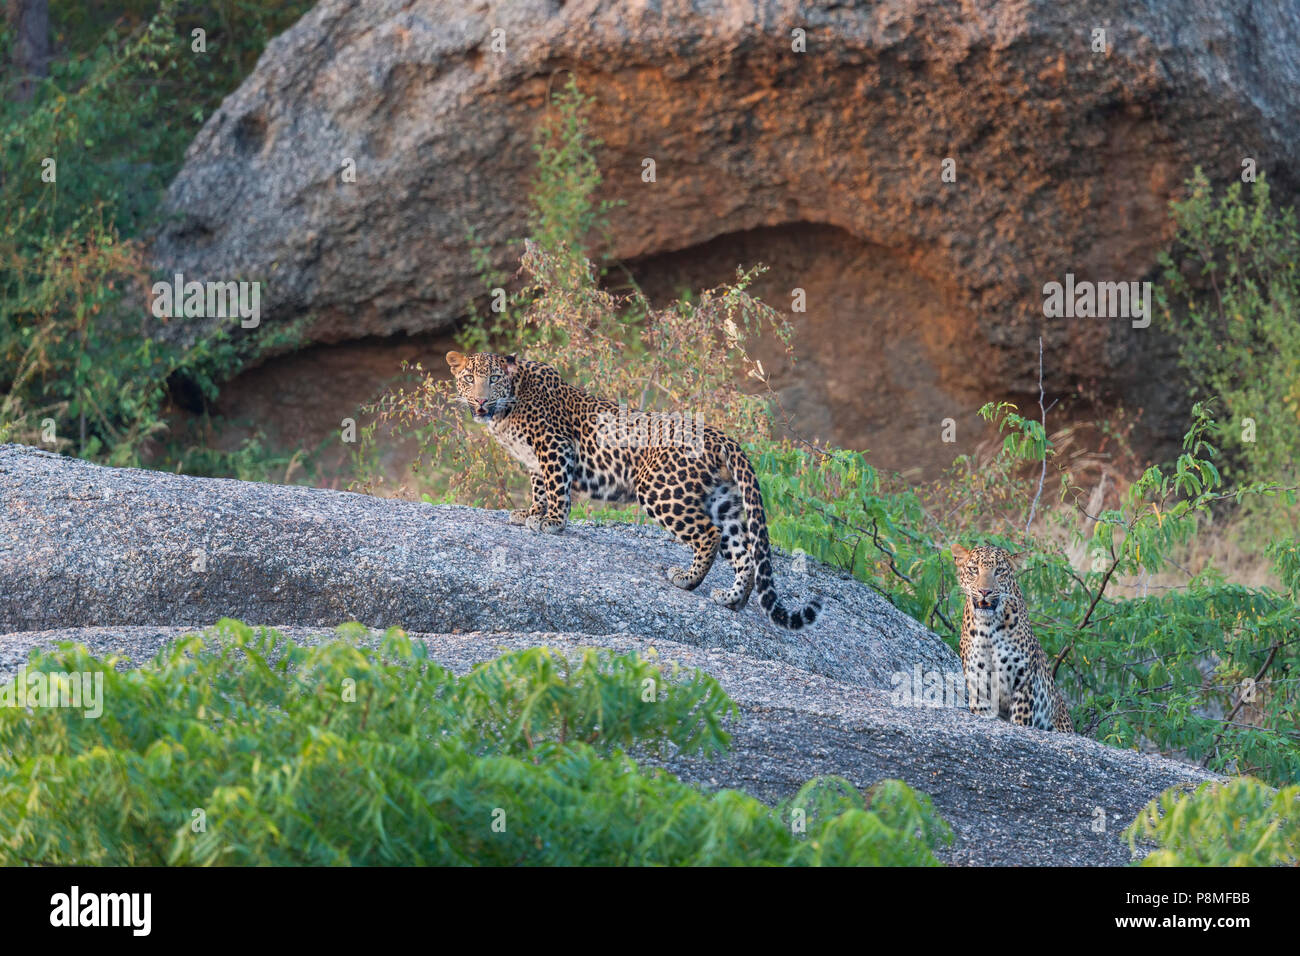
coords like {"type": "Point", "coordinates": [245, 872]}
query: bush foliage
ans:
{"type": "Point", "coordinates": [1207, 670]}
{"type": "Point", "coordinates": [1234, 277]}
{"type": "Point", "coordinates": [85, 164]}
{"type": "Point", "coordinates": [240, 747]}
{"type": "Point", "coordinates": [1243, 822]}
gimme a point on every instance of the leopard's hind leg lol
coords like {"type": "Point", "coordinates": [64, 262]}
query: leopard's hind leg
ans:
{"type": "Point", "coordinates": [727, 512]}
{"type": "Point", "coordinates": [692, 527]}
{"type": "Point", "coordinates": [703, 540]}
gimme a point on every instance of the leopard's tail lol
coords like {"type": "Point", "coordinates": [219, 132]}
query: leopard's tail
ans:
{"type": "Point", "coordinates": [760, 549]}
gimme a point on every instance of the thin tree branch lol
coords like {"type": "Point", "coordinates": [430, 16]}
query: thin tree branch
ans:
{"type": "Point", "coordinates": [1241, 702]}
{"type": "Point", "coordinates": [1096, 599]}
{"type": "Point", "coordinates": [1042, 474]}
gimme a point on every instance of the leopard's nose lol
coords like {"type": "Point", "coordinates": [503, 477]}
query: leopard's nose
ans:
{"type": "Point", "coordinates": [985, 592]}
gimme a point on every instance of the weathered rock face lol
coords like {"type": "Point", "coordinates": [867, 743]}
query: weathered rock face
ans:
{"type": "Point", "coordinates": [83, 545]}
{"type": "Point", "coordinates": [1065, 160]}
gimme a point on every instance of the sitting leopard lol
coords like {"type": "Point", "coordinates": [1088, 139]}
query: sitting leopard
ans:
{"type": "Point", "coordinates": [996, 640]}
{"type": "Point", "coordinates": [705, 493]}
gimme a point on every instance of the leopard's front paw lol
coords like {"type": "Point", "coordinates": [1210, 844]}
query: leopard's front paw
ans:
{"type": "Point", "coordinates": [680, 577]}
{"type": "Point", "coordinates": [544, 525]}
{"type": "Point", "coordinates": [727, 599]}
{"type": "Point", "coordinates": [520, 517]}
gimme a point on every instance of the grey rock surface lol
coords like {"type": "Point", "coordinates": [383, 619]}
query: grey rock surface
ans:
{"type": "Point", "coordinates": [110, 558]}
{"type": "Point", "coordinates": [1066, 153]}
{"type": "Point", "coordinates": [82, 545]}
{"type": "Point", "coordinates": [1013, 796]}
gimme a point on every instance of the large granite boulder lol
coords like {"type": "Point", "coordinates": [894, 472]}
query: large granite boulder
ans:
{"type": "Point", "coordinates": [83, 545]}
{"type": "Point", "coordinates": [826, 164]}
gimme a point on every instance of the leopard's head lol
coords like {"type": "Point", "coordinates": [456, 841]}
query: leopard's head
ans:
{"type": "Point", "coordinates": [485, 382]}
{"type": "Point", "coordinates": [987, 575]}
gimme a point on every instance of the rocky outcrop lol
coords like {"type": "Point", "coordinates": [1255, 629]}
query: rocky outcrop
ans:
{"type": "Point", "coordinates": [83, 545]}
{"type": "Point", "coordinates": [1066, 155]}
{"type": "Point", "coordinates": [125, 561]}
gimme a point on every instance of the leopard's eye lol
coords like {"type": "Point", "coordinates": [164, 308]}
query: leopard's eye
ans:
{"type": "Point", "coordinates": [495, 379]}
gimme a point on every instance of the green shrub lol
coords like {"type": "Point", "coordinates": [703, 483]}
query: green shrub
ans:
{"type": "Point", "coordinates": [77, 356]}
{"type": "Point", "coordinates": [242, 747]}
{"type": "Point", "coordinates": [1232, 294]}
{"type": "Point", "coordinates": [564, 217]}
{"type": "Point", "coordinates": [1238, 823]}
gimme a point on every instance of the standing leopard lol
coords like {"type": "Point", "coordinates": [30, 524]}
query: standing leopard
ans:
{"type": "Point", "coordinates": [996, 640]}
{"type": "Point", "coordinates": [705, 492]}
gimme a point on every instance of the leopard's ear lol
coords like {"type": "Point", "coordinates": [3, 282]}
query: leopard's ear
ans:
{"type": "Point", "coordinates": [959, 554]}
{"type": "Point", "coordinates": [512, 363]}
{"type": "Point", "coordinates": [1014, 559]}
{"type": "Point", "coordinates": [456, 361]}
